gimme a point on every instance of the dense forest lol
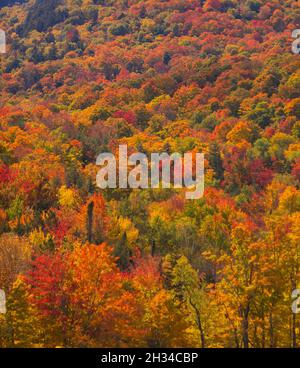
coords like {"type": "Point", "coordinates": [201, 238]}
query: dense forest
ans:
{"type": "Point", "coordinates": [10, 2]}
{"type": "Point", "coordinates": [84, 267]}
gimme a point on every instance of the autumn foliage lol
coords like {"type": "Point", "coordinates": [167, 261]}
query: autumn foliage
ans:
{"type": "Point", "coordinates": [84, 267]}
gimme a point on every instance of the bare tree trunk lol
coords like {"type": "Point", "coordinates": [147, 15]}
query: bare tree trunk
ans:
{"type": "Point", "coordinates": [90, 215]}
{"type": "Point", "coordinates": [245, 327]}
{"type": "Point", "coordinates": [294, 333]}
{"type": "Point", "coordinates": [271, 330]}
{"type": "Point", "coordinates": [199, 324]}
{"type": "Point", "coordinates": [153, 248]}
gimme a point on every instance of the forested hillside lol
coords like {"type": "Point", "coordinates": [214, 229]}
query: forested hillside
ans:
{"type": "Point", "coordinates": [84, 267]}
{"type": "Point", "coordinates": [4, 3]}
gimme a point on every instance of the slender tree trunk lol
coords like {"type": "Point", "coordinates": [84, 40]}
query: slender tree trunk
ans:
{"type": "Point", "coordinates": [199, 324]}
{"type": "Point", "coordinates": [294, 333]}
{"type": "Point", "coordinates": [90, 215]}
{"type": "Point", "coordinates": [245, 327]}
{"type": "Point", "coordinates": [201, 330]}
{"type": "Point", "coordinates": [271, 331]}
{"type": "Point", "coordinates": [153, 248]}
